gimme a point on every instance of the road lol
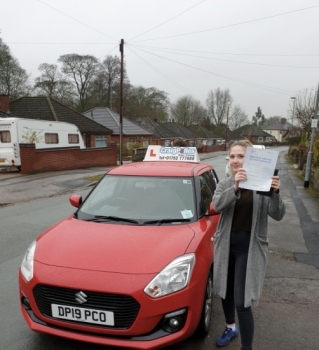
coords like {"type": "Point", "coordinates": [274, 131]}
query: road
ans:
{"type": "Point", "coordinates": [286, 318]}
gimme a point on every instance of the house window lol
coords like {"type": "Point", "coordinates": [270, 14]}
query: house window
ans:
{"type": "Point", "coordinates": [268, 139]}
{"type": "Point", "coordinates": [100, 141]}
{"type": "Point", "coordinates": [129, 143]}
{"type": "Point", "coordinates": [51, 138]}
{"type": "Point", "coordinates": [145, 143]}
{"type": "Point", "coordinates": [5, 136]}
{"type": "Point", "coordinates": [260, 139]}
{"type": "Point", "coordinates": [73, 138]}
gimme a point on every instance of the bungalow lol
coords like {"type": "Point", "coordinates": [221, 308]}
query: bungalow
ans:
{"type": "Point", "coordinates": [131, 132]}
{"type": "Point", "coordinates": [184, 133]}
{"type": "Point", "coordinates": [47, 108]}
{"type": "Point", "coordinates": [161, 135]}
{"type": "Point", "coordinates": [254, 134]}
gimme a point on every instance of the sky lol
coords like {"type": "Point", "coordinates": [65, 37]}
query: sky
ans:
{"type": "Point", "coordinates": [264, 52]}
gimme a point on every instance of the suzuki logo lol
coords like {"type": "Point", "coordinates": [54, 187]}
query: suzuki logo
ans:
{"type": "Point", "coordinates": [81, 297]}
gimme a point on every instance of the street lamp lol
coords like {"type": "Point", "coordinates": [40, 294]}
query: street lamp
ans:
{"type": "Point", "coordinates": [293, 110]}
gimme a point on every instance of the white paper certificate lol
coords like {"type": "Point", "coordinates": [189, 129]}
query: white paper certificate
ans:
{"type": "Point", "coordinates": [259, 165]}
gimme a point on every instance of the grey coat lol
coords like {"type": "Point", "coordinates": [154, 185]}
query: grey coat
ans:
{"type": "Point", "coordinates": [224, 201]}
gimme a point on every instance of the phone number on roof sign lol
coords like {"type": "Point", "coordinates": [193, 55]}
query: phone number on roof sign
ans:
{"type": "Point", "coordinates": [179, 157]}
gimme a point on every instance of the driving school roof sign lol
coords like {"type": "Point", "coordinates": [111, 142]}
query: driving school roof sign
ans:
{"type": "Point", "coordinates": [172, 154]}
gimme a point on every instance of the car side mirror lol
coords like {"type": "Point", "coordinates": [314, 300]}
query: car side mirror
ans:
{"type": "Point", "coordinates": [211, 210]}
{"type": "Point", "coordinates": [75, 200]}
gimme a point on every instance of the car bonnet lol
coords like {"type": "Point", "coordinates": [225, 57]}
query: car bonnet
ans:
{"type": "Point", "coordinates": [108, 247]}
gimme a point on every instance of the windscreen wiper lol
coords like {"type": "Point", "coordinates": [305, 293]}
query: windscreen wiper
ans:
{"type": "Point", "coordinates": [102, 218]}
{"type": "Point", "coordinates": [164, 221]}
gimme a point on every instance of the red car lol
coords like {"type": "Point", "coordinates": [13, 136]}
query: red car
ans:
{"type": "Point", "coordinates": [133, 266]}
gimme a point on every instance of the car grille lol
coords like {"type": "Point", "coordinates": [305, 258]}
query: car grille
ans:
{"type": "Point", "coordinates": [125, 308]}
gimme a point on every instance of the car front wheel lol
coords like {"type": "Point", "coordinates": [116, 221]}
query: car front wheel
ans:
{"type": "Point", "coordinates": [206, 316]}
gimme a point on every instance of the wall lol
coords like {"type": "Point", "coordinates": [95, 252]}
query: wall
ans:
{"type": "Point", "coordinates": [35, 161]}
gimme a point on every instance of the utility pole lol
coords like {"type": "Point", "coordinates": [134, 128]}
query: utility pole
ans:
{"type": "Point", "coordinates": [293, 110]}
{"type": "Point", "coordinates": [121, 98]}
{"type": "Point", "coordinates": [314, 124]}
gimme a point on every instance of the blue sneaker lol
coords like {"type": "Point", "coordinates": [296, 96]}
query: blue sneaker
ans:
{"type": "Point", "coordinates": [227, 336]}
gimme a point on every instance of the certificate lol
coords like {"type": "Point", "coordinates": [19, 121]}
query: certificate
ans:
{"type": "Point", "coordinates": [259, 165]}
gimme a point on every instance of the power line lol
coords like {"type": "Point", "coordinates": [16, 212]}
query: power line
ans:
{"type": "Point", "coordinates": [227, 53]}
{"type": "Point", "coordinates": [232, 61]}
{"type": "Point", "coordinates": [273, 89]}
{"type": "Point", "coordinates": [232, 25]}
{"type": "Point", "coordinates": [74, 19]}
{"type": "Point", "coordinates": [28, 43]}
{"type": "Point", "coordinates": [159, 72]}
{"type": "Point", "coordinates": [168, 20]}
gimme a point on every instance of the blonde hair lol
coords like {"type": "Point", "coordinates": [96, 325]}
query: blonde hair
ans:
{"type": "Point", "coordinates": [243, 143]}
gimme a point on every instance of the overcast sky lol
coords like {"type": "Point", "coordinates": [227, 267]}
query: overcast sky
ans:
{"type": "Point", "coordinates": [264, 52]}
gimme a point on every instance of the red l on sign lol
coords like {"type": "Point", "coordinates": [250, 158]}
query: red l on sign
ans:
{"type": "Point", "coordinates": [152, 154]}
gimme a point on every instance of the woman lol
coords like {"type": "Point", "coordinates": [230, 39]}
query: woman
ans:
{"type": "Point", "coordinates": [241, 245]}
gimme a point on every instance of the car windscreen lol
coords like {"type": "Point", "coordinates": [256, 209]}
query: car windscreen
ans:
{"type": "Point", "coordinates": [143, 199]}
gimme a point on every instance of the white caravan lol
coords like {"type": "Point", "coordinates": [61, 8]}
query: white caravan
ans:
{"type": "Point", "coordinates": [42, 133]}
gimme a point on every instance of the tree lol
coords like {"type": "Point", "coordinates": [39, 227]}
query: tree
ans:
{"type": "Point", "coordinates": [217, 103]}
{"type": "Point", "coordinates": [82, 70]}
{"type": "Point", "coordinates": [14, 80]}
{"type": "Point", "coordinates": [305, 109]}
{"type": "Point", "coordinates": [237, 118]}
{"type": "Point", "coordinates": [52, 83]}
{"type": "Point", "coordinates": [141, 102]}
{"type": "Point", "coordinates": [271, 120]}
{"type": "Point", "coordinates": [258, 119]}
{"type": "Point", "coordinates": [106, 81]}
{"type": "Point", "coordinates": [186, 110]}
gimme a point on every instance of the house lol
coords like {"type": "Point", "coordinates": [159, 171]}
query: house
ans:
{"type": "Point", "coordinates": [206, 137]}
{"type": "Point", "coordinates": [131, 132]}
{"type": "Point", "coordinates": [47, 108]}
{"type": "Point", "coordinates": [254, 134]}
{"type": "Point", "coordinates": [185, 134]}
{"type": "Point", "coordinates": [161, 135]}
{"type": "Point", "coordinates": [280, 130]}
{"type": "Point", "coordinates": [35, 160]}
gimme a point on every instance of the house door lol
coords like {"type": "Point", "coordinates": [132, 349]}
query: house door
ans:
{"type": "Point", "coordinates": [87, 140]}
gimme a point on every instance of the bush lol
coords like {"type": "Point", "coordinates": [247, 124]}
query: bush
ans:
{"type": "Point", "coordinates": [180, 143]}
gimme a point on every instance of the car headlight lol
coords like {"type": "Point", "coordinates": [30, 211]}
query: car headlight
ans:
{"type": "Point", "coordinates": [27, 262]}
{"type": "Point", "coordinates": [173, 278]}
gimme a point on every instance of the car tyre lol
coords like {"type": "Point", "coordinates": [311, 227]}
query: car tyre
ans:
{"type": "Point", "coordinates": [206, 315]}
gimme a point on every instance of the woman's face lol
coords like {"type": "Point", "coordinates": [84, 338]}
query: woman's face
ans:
{"type": "Point", "coordinates": [236, 158]}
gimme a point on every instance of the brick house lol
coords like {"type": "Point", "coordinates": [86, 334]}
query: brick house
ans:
{"type": "Point", "coordinates": [185, 134]}
{"type": "Point", "coordinates": [161, 135]}
{"type": "Point", "coordinates": [47, 108]}
{"type": "Point", "coordinates": [254, 134]}
{"type": "Point", "coordinates": [131, 132]}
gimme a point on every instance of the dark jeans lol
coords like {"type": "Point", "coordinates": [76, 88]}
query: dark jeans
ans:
{"type": "Point", "coordinates": [235, 296]}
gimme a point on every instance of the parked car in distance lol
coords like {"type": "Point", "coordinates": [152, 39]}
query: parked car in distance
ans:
{"type": "Point", "coordinates": [133, 266]}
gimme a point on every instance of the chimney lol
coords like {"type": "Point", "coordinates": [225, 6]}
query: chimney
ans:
{"type": "Point", "coordinates": [283, 120]}
{"type": "Point", "coordinates": [4, 103]}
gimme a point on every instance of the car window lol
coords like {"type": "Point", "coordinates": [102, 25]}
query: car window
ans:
{"type": "Point", "coordinates": [141, 198]}
{"type": "Point", "coordinates": [208, 187]}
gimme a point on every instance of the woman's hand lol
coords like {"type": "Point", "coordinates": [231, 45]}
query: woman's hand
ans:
{"type": "Point", "coordinates": [239, 176]}
{"type": "Point", "coordinates": [275, 183]}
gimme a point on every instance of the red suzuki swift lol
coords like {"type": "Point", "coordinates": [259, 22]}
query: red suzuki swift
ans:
{"type": "Point", "coordinates": [133, 266]}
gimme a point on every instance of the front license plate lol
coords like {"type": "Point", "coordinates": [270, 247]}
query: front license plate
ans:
{"type": "Point", "coordinates": [79, 314]}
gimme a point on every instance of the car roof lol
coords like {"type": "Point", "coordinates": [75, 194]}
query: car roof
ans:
{"type": "Point", "coordinates": [161, 169]}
